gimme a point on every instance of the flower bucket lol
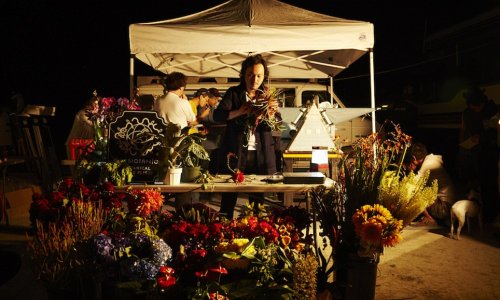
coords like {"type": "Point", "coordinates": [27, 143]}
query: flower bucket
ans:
{"type": "Point", "coordinates": [189, 174]}
{"type": "Point", "coordinates": [361, 277]}
{"type": "Point", "coordinates": [173, 176]}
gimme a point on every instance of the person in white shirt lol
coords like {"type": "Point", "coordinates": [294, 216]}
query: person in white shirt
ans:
{"type": "Point", "coordinates": [422, 161]}
{"type": "Point", "coordinates": [174, 106]}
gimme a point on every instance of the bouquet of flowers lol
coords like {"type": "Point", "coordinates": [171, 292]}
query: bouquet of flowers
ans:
{"type": "Point", "coordinates": [263, 111]}
{"type": "Point", "coordinates": [376, 228]}
{"type": "Point", "coordinates": [102, 112]}
{"type": "Point", "coordinates": [372, 201]}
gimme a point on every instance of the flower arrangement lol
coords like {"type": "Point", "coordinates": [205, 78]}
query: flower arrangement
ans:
{"type": "Point", "coordinates": [80, 231]}
{"type": "Point", "coordinates": [263, 111]}
{"type": "Point", "coordinates": [250, 257]}
{"type": "Point", "coordinates": [376, 228]}
{"type": "Point", "coordinates": [95, 156]}
{"type": "Point", "coordinates": [141, 248]}
{"type": "Point", "coordinates": [104, 110]}
{"type": "Point", "coordinates": [372, 201]}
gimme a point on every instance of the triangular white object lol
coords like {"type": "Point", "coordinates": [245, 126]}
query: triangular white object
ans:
{"type": "Point", "coordinates": [313, 132]}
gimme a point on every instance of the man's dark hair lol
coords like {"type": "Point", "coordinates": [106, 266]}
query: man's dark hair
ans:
{"type": "Point", "coordinates": [174, 81]}
{"type": "Point", "coordinates": [250, 61]}
{"type": "Point", "coordinates": [475, 96]}
{"type": "Point", "coordinates": [418, 150]}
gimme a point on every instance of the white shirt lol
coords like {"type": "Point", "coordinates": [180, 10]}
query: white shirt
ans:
{"type": "Point", "coordinates": [251, 139]}
{"type": "Point", "coordinates": [434, 163]}
{"type": "Point", "coordinates": [174, 109]}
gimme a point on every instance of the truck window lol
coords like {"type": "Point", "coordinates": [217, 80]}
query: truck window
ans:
{"type": "Point", "coordinates": [287, 97]}
{"type": "Point", "coordinates": [311, 96]}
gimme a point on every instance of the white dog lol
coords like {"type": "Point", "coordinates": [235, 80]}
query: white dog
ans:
{"type": "Point", "coordinates": [466, 209]}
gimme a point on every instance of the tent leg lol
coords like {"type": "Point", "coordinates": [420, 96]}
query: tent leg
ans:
{"type": "Point", "coordinates": [331, 90]}
{"type": "Point", "coordinates": [372, 90]}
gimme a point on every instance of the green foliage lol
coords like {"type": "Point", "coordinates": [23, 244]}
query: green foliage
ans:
{"type": "Point", "coordinates": [179, 148]}
{"type": "Point", "coordinates": [117, 171]}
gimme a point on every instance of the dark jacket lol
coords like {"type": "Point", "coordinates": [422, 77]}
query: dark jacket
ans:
{"type": "Point", "coordinates": [235, 138]}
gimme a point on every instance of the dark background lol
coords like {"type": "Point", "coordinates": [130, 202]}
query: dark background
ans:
{"type": "Point", "coordinates": [57, 53]}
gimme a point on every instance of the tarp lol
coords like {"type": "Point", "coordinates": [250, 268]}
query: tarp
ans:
{"type": "Point", "coordinates": [295, 42]}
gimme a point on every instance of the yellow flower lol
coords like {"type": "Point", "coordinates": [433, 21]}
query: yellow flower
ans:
{"type": "Point", "coordinates": [241, 263]}
{"type": "Point", "coordinates": [238, 245]}
{"type": "Point", "coordinates": [222, 247]}
{"type": "Point", "coordinates": [382, 211]}
{"type": "Point", "coordinates": [285, 240]}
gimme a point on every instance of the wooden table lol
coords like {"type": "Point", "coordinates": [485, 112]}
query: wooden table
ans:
{"type": "Point", "coordinates": [223, 184]}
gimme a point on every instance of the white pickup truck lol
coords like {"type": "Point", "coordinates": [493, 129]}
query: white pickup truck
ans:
{"type": "Point", "coordinates": [292, 95]}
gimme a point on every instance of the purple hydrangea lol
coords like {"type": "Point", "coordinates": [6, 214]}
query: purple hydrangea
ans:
{"type": "Point", "coordinates": [104, 247]}
{"type": "Point", "coordinates": [161, 252]}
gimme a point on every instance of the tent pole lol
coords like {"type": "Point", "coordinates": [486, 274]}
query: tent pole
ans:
{"type": "Point", "coordinates": [131, 82]}
{"type": "Point", "coordinates": [372, 90]}
{"type": "Point", "coordinates": [331, 90]}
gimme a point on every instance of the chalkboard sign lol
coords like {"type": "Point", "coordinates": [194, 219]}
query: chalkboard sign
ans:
{"type": "Point", "coordinates": [132, 137]}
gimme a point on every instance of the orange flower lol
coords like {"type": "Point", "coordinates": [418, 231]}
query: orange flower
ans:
{"type": "Point", "coordinates": [371, 232]}
{"type": "Point", "coordinates": [358, 219]}
{"type": "Point", "coordinates": [392, 240]}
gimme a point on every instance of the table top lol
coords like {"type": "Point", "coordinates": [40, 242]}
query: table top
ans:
{"type": "Point", "coordinates": [224, 184]}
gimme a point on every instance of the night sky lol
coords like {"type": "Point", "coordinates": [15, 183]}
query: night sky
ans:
{"type": "Point", "coordinates": [57, 52]}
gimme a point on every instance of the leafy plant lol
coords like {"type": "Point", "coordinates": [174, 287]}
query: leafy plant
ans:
{"type": "Point", "coordinates": [117, 171]}
{"type": "Point", "coordinates": [179, 148]}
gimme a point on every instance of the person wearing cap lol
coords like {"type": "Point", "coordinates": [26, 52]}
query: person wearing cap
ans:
{"type": "Point", "coordinates": [199, 100]}
{"type": "Point", "coordinates": [215, 130]}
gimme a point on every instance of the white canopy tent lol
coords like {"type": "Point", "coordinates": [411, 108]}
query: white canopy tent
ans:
{"type": "Point", "coordinates": [295, 42]}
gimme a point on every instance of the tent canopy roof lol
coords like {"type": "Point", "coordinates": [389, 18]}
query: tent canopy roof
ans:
{"type": "Point", "coordinates": [296, 43]}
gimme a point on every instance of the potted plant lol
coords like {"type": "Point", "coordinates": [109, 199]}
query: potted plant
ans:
{"type": "Point", "coordinates": [181, 150]}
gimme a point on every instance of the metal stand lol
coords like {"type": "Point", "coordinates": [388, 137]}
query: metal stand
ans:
{"type": "Point", "coordinates": [4, 202]}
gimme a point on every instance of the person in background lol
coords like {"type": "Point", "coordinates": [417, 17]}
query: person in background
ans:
{"type": "Point", "coordinates": [478, 153]}
{"type": "Point", "coordinates": [199, 100]}
{"type": "Point", "coordinates": [174, 106]}
{"type": "Point", "coordinates": [422, 161]}
{"type": "Point", "coordinates": [255, 152]}
{"type": "Point", "coordinates": [214, 131]}
{"type": "Point", "coordinates": [82, 126]}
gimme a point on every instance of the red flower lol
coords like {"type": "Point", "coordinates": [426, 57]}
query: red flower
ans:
{"type": "Point", "coordinates": [167, 270]}
{"type": "Point", "coordinates": [166, 281]}
{"type": "Point", "coordinates": [238, 176]}
{"type": "Point", "coordinates": [199, 253]}
{"type": "Point", "coordinates": [217, 296]}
